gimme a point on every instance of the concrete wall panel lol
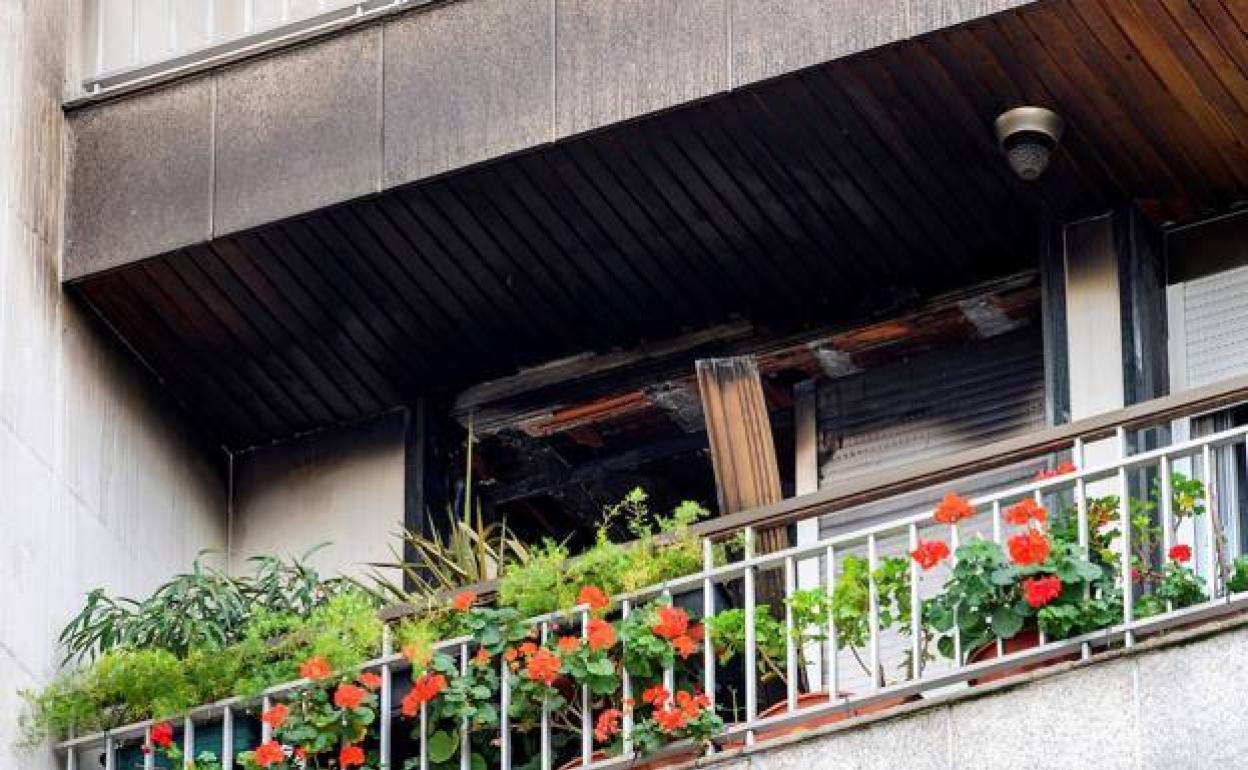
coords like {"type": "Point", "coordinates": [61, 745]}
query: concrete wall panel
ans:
{"type": "Point", "coordinates": [142, 177]}
{"type": "Point", "coordinates": [465, 82]}
{"type": "Point", "coordinates": [343, 487]}
{"type": "Point", "coordinates": [928, 15]}
{"type": "Point", "coordinates": [298, 131]}
{"type": "Point", "coordinates": [617, 59]}
{"type": "Point", "coordinates": [771, 37]}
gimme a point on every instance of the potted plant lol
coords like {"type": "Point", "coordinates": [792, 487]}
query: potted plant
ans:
{"type": "Point", "coordinates": [1036, 582]}
{"type": "Point", "coordinates": [812, 609]}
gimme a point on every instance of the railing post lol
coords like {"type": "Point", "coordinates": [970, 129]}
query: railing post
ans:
{"type": "Point", "coordinates": [751, 651]}
{"type": "Point", "coordinates": [504, 718]}
{"type": "Point", "coordinates": [957, 628]}
{"type": "Point", "coordinates": [1081, 525]}
{"type": "Point", "coordinates": [545, 725]}
{"type": "Point", "coordinates": [708, 610]}
{"type": "Point", "coordinates": [1212, 573]}
{"type": "Point", "coordinates": [790, 642]}
{"type": "Point", "coordinates": [1124, 528]}
{"type": "Point", "coordinates": [465, 740]}
{"type": "Point", "coordinates": [149, 755]}
{"type": "Point", "coordinates": [110, 753]}
{"type": "Point", "coordinates": [266, 731]}
{"type": "Point", "coordinates": [385, 699]}
{"type": "Point", "coordinates": [1167, 515]}
{"type": "Point", "coordinates": [188, 743]}
{"type": "Point", "coordinates": [916, 611]}
{"type": "Point", "coordinates": [587, 705]}
{"type": "Point", "coordinates": [227, 738]}
{"type": "Point", "coordinates": [873, 612]}
{"type": "Point", "coordinates": [626, 684]}
{"type": "Point", "coordinates": [834, 658]}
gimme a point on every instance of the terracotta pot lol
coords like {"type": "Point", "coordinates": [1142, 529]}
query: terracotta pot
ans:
{"type": "Point", "coordinates": [1023, 640]}
{"type": "Point", "coordinates": [641, 763]}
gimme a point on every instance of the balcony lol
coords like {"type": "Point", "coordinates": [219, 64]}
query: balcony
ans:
{"type": "Point", "coordinates": [912, 602]}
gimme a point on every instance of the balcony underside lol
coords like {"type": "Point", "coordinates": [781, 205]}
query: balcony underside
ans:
{"type": "Point", "coordinates": [854, 188]}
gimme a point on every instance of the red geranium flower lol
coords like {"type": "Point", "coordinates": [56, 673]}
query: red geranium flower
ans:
{"type": "Point", "coordinates": [1030, 547]}
{"type": "Point", "coordinates": [544, 667]}
{"type": "Point", "coordinates": [673, 621]}
{"type": "Point", "coordinates": [1026, 510]}
{"type": "Point", "coordinates": [315, 668]}
{"type": "Point", "coordinates": [697, 632]}
{"type": "Point", "coordinates": [482, 658]}
{"type": "Point", "coordinates": [929, 553]}
{"type": "Point", "coordinates": [1180, 553]}
{"type": "Point", "coordinates": [608, 725]}
{"type": "Point", "coordinates": [275, 716]}
{"type": "Point", "coordinates": [952, 509]}
{"type": "Point", "coordinates": [463, 601]}
{"type": "Point", "coordinates": [348, 696]}
{"type": "Point", "coordinates": [162, 735]}
{"type": "Point", "coordinates": [684, 646]}
{"type": "Point", "coordinates": [1040, 591]}
{"type": "Point", "coordinates": [369, 680]}
{"type": "Point", "coordinates": [527, 649]}
{"type": "Point", "coordinates": [424, 689]}
{"type": "Point", "coordinates": [569, 644]}
{"type": "Point", "coordinates": [670, 719]}
{"type": "Point", "coordinates": [691, 704]}
{"type": "Point", "coordinates": [655, 695]}
{"type": "Point", "coordinates": [594, 597]}
{"type": "Point", "coordinates": [350, 756]}
{"type": "Point", "coordinates": [600, 634]}
{"type": "Point", "coordinates": [269, 753]}
{"type": "Point", "coordinates": [1061, 470]}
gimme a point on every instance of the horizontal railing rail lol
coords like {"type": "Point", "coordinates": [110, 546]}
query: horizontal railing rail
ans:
{"type": "Point", "coordinates": [826, 663]}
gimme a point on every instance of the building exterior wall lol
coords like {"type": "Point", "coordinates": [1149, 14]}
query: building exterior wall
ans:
{"type": "Point", "coordinates": [343, 487]}
{"type": "Point", "coordinates": [1177, 706]}
{"type": "Point", "coordinates": [101, 486]}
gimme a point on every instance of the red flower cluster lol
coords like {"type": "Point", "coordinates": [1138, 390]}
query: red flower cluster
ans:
{"type": "Point", "coordinates": [1040, 591]}
{"type": "Point", "coordinates": [162, 735]}
{"type": "Point", "coordinates": [418, 655]}
{"type": "Point", "coordinates": [1061, 470]}
{"type": "Point", "coordinates": [424, 689]}
{"type": "Point", "coordinates": [275, 716]}
{"type": "Point", "coordinates": [1180, 553]}
{"type": "Point", "coordinates": [350, 756]}
{"type": "Point", "coordinates": [929, 553]}
{"type": "Point", "coordinates": [600, 634]}
{"type": "Point", "coordinates": [482, 658]}
{"type": "Point", "coordinates": [464, 601]}
{"type": "Point", "coordinates": [608, 725]}
{"type": "Point", "coordinates": [684, 646]}
{"type": "Point", "coordinates": [544, 667]}
{"type": "Point", "coordinates": [952, 509]}
{"type": "Point", "coordinates": [1030, 547]}
{"type": "Point", "coordinates": [348, 696]}
{"type": "Point", "coordinates": [1025, 511]}
{"type": "Point", "coordinates": [370, 680]}
{"type": "Point", "coordinates": [569, 644]}
{"type": "Point", "coordinates": [269, 753]}
{"type": "Point", "coordinates": [594, 597]}
{"type": "Point", "coordinates": [656, 695]}
{"type": "Point", "coordinates": [315, 668]}
{"type": "Point", "coordinates": [673, 621]}
{"type": "Point", "coordinates": [676, 716]}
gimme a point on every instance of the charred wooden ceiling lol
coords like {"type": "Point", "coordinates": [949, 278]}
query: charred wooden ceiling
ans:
{"type": "Point", "coordinates": [801, 203]}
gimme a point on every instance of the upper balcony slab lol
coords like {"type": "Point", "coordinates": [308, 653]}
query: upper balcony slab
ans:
{"type": "Point", "coordinates": [422, 91]}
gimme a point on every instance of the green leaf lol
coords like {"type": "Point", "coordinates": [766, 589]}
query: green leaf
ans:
{"type": "Point", "coordinates": [1006, 623]}
{"type": "Point", "coordinates": [443, 745]}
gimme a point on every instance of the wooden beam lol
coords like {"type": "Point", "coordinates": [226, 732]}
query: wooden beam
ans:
{"type": "Point", "coordinates": [738, 429]}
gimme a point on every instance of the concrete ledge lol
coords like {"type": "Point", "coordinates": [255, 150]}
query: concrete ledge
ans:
{"type": "Point", "coordinates": [1176, 700]}
{"type": "Point", "coordinates": [426, 89]}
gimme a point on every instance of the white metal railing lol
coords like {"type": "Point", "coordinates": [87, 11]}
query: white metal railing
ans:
{"type": "Point", "coordinates": [130, 42]}
{"type": "Point", "coordinates": [896, 535]}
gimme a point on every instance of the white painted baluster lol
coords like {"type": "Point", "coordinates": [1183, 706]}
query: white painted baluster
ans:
{"type": "Point", "coordinates": [545, 726]}
{"type": "Point", "coordinates": [996, 538]}
{"type": "Point", "coordinates": [1081, 521]}
{"type": "Point", "coordinates": [751, 651]}
{"type": "Point", "coordinates": [790, 641]}
{"type": "Point", "coordinates": [424, 736]}
{"type": "Point", "coordinates": [386, 700]}
{"type": "Point", "coordinates": [1212, 576]}
{"type": "Point", "coordinates": [873, 612]}
{"type": "Point", "coordinates": [465, 739]}
{"type": "Point", "coordinates": [626, 684]}
{"type": "Point", "coordinates": [957, 630]}
{"type": "Point", "coordinates": [71, 759]}
{"type": "Point", "coordinates": [669, 672]}
{"type": "Point", "coordinates": [587, 706]}
{"type": "Point", "coordinates": [834, 668]}
{"type": "Point", "coordinates": [708, 610]}
{"type": "Point", "coordinates": [1124, 513]}
{"type": "Point", "coordinates": [188, 743]}
{"type": "Point", "coordinates": [149, 753]}
{"type": "Point", "coordinates": [916, 611]}
{"type": "Point", "coordinates": [266, 731]}
{"type": "Point", "coordinates": [1039, 498]}
{"type": "Point", "coordinates": [110, 753]}
{"type": "Point", "coordinates": [504, 718]}
{"type": "Point", "coordinates": [227, 738]}
{"type": "Point", "coordinates": [1167, 516]}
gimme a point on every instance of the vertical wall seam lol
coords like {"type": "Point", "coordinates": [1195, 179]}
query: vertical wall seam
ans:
{"type": "Point", "coordinates": [554, 71]}
{"type": "Point", "coordinates": [381, 107]}
{"type": "Point", "coordinates": [212, 156]}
